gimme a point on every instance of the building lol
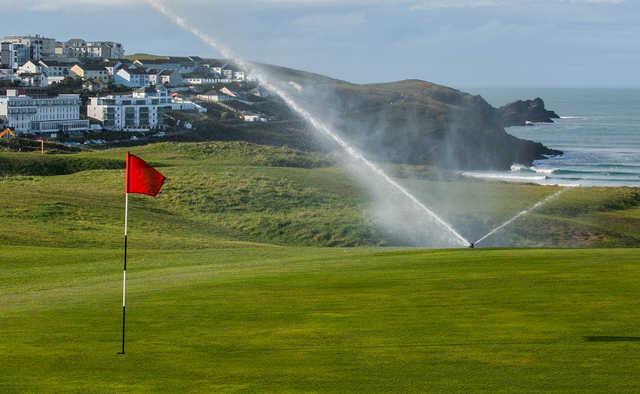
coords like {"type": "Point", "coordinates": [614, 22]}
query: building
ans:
{"type": "Point", "coordinates": [97, 72]}
{"type": "Point", "coordinates": [202, 78]}
{"type": "Point", "coordinates": [252, 117]}
{"type": "Point", "coordinates": [180, 104]}
{"type": "Point", "coordinates": [141, 110]}
{"type": "Point", "coordinates": [56, 67]}
{"type": "Point", "coordinates": [13, 55]}
{"type": "Point", "coordinates": [138, 77]}
{"type": "Point", "coordinates": [37, 80]}
{"type": "Point", "coordinates": [17, 50]}
{"type": "Point", "coordinates": [7, 74]}
{"type": "Point", "coordinates": [30, 67]}
{"type": "Point", "coordinates": [211, 96]}
{"type": "Point", "coordinates": [165, 77]}
{"type": "Point", "coordinates": [113, 65]}
{"type": "Point", "coordinates": [49, 115]}
{"type": "Point", "coordinates": [91, 49]}
{"type": "Point", "coordinates": [182, 65]}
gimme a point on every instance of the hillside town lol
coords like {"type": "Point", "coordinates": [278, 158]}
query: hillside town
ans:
{"type": "Point", "coordinates": [51, 89]}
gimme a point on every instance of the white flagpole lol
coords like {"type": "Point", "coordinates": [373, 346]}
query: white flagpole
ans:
{"type": "Point", "coordinates": [124, 272]}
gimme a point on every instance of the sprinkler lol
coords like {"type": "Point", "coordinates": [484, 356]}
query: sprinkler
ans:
{"type": "Point", "coordinates": [472, 245]}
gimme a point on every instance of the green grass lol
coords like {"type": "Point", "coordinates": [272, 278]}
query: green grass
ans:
{"type": "Point", "coordinates": [239, 191]}
{"type": "Point", "coordinates": [258, 318]}
{"type": "Point", "coordinates": [231, 288]}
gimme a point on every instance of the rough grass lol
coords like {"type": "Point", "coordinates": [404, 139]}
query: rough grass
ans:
{"type": "Point", "coordinates": [241, 191]}
{"type": "Point", "coordinates": [33, 164]}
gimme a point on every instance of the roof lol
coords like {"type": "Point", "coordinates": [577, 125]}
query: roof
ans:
{"type": "Point", "coordinates": [138, 71]}
{"type": "Point", "coordinates": [169, 60]}
{"type": "Point", "coordinates": [92, 67]}
{"type": "Point", "coordinates": [201, 75]}
{"type": "Point", "coordinates": [58, 63]}
{"type": "Point", "coordinates": [135, 71]}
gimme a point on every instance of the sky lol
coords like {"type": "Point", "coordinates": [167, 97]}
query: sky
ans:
{"type": "Point", "coordinates": [460, 43]}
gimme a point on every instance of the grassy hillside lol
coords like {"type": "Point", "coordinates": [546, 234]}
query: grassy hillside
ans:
{"type": "Point", "coordinates": [238, 191]}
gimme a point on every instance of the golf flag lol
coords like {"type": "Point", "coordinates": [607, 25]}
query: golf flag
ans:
{"type": "Point", "coordinates": [141, 178]}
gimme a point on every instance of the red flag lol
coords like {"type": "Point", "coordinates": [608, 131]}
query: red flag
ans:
{"type": "Point", "coordinates": [141, 178]}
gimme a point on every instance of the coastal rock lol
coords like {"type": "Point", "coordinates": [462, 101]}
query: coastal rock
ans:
{"type": "Point", "coordinates": [418, 122]}
{"type": "Point", "coordinates": [526, 113]}
{"type": "Point", "coordinates": [406, 122]}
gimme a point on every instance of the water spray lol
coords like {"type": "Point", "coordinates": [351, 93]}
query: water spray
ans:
{"type": "Point", "coordinates": [527, 211]}
{"type": "Point", "coordinates": [311, 120]}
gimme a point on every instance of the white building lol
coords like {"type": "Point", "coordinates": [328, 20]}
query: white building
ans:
{"type": "Point", "coordinates": [29, 67]}
{"type": "Point", "coordinates": [196, 79]}
{"type": "Point", "coordinates": [57, 68]}
{"type": "Point", "coordinates": [51, 115]}
{"type": "Point", "coordinates": [165, 77]}
{"type": "Point", "coordinates": [141, 110]}
{"type": "Point", "coordinates": [92, 49]}
{"type": "Point", "coordinates": [211, 96]}
{"type": "Point", "coordinates": [132, 77]}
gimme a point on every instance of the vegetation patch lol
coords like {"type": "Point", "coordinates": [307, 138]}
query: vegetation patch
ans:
{"type": "Point", "coordinates": [47, 165]}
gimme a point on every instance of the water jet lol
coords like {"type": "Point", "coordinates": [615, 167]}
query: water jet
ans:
{"type": "Point", "coordinates": [315, 123]}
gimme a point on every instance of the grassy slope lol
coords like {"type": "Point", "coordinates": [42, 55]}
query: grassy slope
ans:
{"type": "Point", "coordinates": [210, 309]}
{"type": "Point", "coordinates": [238, 191]}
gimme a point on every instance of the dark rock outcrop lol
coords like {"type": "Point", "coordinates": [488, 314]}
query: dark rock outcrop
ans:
{"type": "Point", "coordinates": [525, 113]}
{"type": "Point", "coordinates": [407, 122]}
{"type": "Point", "coordinates": [417, 122]}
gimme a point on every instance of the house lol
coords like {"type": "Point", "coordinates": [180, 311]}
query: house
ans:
{"type": "Point", "coordinates": [165, 77]}
{"type": "Point", "coordinates": [49, 115]}
{"type": "Point", "coordinates": [57, 68]}
{"type": "Point", "coordinates": [94, 71]}
{"type": "Point", "coordinates": [180, 104]}
{"type": "Point", "coordinates": [239, 76]}
{"type": "Point", "coordinates": [211, 96]}
{"type": "Point", "coordinates": [30, 67]}
{"type": "Point", "coordinates": [132, 77]}
{"type": "Point", "coordinates": [113, 65]}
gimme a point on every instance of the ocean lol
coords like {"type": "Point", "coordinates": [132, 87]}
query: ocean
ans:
{"type": "Point", "coordinates": [599, 134]}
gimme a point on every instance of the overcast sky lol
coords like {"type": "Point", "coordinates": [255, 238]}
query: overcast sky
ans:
{"type": "Point", "coordinates": [463, 43]}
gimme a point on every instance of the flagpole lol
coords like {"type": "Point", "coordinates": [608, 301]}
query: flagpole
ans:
{"type": "Point", "coordinates": [124, 271]}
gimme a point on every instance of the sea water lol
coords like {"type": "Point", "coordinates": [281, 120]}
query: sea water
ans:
{"type": "Point", "coordinates": [599, 133]}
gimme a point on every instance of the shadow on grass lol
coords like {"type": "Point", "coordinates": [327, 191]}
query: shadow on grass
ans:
{"type": "Point", "coordinates": [611, 339]}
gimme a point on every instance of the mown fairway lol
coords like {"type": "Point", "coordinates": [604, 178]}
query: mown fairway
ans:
{"type": "Point", "coordinates": [231, 286]}
{"type": "Point", "coordinates": [252, 318]}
